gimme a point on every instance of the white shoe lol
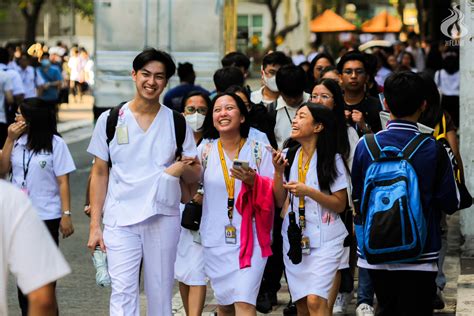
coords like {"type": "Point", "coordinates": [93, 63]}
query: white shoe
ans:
{"type": "Point", "coordinates": [364, 310]}
{"type": "Point", "coordinates": [340, 305]}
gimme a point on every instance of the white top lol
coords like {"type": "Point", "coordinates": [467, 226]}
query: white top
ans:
{"type": "Point", "coordinates": [138, 186]}
{"type": "Point", "coordinates": [30, 81]}
{"type": "Point", "coordinates": [448, 84]}
{"type": "Point", "coordinates": [41, 182]}
{"type": "Point", "coordinates": [5, 85]}
{"type": "Point", "coordinates": [26, 247]}
{"type": "Point", "coordinates": [17, 84]}
{"type": "Point", "coordinates": [322, 224]}
{"type": "Point", "coordinates": [214, 209]}
{"type": "Point", "coordinates": [258, 136]}
{"type": "Point", "coordinates": [353, 141]}
{"type": "Point", "coordinates": [256, 97]}
{"type": "Point", "coordinates": [73, 65]}
{"type": "Point", "coordinates": [283, 120]}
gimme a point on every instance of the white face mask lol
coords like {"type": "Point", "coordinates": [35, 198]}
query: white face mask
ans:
{"type": "Point", "coordinates": [270, 83]}
{"type": "Point", "coordinates": [195, 121]}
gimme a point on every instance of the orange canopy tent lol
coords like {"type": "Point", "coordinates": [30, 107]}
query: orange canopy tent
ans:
{"type": "Point", "coordinates": [384, 22]}
{"type": "Point", "coordinates": [329, 21]}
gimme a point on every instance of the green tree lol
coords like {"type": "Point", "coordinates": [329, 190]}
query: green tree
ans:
{"type": "Point", "coordinates": [31, 9]}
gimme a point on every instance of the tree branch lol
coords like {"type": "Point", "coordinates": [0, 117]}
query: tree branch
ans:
{"type": "Point", "coordinates": [287, 29]}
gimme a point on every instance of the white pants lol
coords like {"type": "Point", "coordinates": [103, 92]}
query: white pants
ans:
{"type": "Point", "coordinates": [155, 240]}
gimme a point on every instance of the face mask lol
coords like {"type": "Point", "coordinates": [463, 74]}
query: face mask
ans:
{"type": "Point", "coordinates": [195, 121]}
{"type": "Point", "coordinates": [45, 63]}
{"type": "Point", "coordinates": [270, 83]}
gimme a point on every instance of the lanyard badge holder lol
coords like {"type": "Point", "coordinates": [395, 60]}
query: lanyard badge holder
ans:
{"type": "Point", "coordinates": [122, 129]}
{"type": "Point", "coordinates": [230, 230]}
{"type": "Point", "coordinates": [26, 168]}
{"type": "Point", "coordinates": [305, 242]}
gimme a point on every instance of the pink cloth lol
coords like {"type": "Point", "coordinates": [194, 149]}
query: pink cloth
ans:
{"type": "Point", "coordinates": [258, 202]}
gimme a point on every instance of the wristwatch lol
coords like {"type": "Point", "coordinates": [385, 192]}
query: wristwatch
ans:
{"type": "Point", "coordinates": [67, 213]}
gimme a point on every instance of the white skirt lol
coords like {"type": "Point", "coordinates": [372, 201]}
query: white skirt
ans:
{"type": "Point", "coordinates": [314, 275]}
{"type": "Point", "coordinates": [230, 283]}
{"type": "Point", "coordinates": [344, 264]}
{"type": "Point", "coordinates": [189, 264]}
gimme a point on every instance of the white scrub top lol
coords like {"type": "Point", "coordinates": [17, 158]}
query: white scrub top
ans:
{"type": "Point", "coordinates": [214, 210]}
{"type": "Point", "coordinates": [138, 186]}
{"type": "Point", "coordinates": [43, 168]}
{"type": "Point", "coordinates": [322, 224]}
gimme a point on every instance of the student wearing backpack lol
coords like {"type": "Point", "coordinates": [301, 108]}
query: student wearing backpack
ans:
{"type": "Point", "coordinates": [313, 232]}
{"type": "Point", "coordinates": [135, 181]}
{"type": "Point", "coordinates": [237, 210]}
{"type": "Point", "coordinates": [413, 188]}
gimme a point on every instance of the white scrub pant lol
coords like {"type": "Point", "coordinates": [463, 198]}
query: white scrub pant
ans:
{"type": "Point", "coordinates": [154, 239]}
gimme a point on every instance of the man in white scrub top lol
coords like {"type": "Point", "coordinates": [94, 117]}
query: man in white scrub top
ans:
{"type": "Point", "coordinates": [139, 195]}
{"type": "Point", "coordinates": [29, 252]}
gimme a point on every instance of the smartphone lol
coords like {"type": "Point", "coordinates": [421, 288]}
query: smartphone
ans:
{"type": "Point", "coordinates": [241, 164]}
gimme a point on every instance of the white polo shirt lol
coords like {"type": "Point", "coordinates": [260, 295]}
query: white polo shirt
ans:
{"type": "Point", "coordinates": [41, 177]}
{"type": "Point", "coordinates": [17, 84]}
{"type": "Point", "coordinates": [31, 79]}
{"type": "Point", "coordinates": [284, 117]}
{"type": "Point", "coordinates": [5, 85]}
{"type": "Point", "coordinates": [138, 186]}
{"type": "Point", "coordinates": [26, 247]}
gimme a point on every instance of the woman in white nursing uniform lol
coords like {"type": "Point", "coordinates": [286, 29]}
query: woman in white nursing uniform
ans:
{"type": "Point", "coordinates": [235, 230]}
{"type": "Point", "coordinates": [317, 193]}
{"type": "Point", "coordinates": [189, 265]}
{"type": "Point", "coordinates": [40, 162]}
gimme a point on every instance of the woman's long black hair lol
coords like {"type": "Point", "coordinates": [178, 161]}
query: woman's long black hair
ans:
{"type": "Point", "coordinates": [208, 126]}
{"type": "Point", "coordinates": [40, 117]}
{"type": "Point", "coordinates": [343, 146]}
{"type": "Point", "coordinates": [326, 147]}
{"type": "Point", "coordinates": [434, 111]}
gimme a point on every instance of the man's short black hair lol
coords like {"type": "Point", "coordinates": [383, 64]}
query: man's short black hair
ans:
{"type": "Point", "coordinates": [4, 56]}
{"type": "Point", "coordinates": [236, 59]}
{"type": "Point", "coordinates": [186, 72]}
{"type": "Point", "coordinates": [226, 77]}
{"type": "Point", "coordinates": [151, 54]}
{"type": "Point", "coordinates": [404, 93]}
{"type": "Point", "coordinates": [350, 56]}
{"type": "Point", "coordinates": [276, 58]}
{"type": "Point", "coordinates": [291, 80]}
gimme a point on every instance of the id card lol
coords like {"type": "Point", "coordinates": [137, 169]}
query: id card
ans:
{"type": "Point", "coordinates": [230, 235]}
{"type": "Point", "coordinates": [196, 236]}
{"type": "Point", "coordinates": [122, 134]}
{"type": "Point", "coordinates": [305, 246]}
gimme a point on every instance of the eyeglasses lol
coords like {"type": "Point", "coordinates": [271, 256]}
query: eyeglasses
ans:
{"type": "Point", "coordinates": [357, 71]}
{"type": "Point", "coordinates": [190, 109]}
{"type": "Point", "coordinates": [324, 97]}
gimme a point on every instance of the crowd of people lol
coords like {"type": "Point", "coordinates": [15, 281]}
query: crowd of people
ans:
{"type": "Point", "coordinates": [49, 73]}
{"type": "Point", "coordinates": [240, 188]}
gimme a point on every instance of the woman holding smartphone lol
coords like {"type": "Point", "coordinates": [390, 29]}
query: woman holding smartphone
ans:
{"type": "Point", "coordinates": [237, 209]}
{"type": "Point", "coordinates": [317, 194]}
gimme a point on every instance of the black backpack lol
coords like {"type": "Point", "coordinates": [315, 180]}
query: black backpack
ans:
{"type": "Point", "coordinates": [179, 129]}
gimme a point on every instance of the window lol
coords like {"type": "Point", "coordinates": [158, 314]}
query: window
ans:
{"type": "Point", "coordinates": [249, 31]}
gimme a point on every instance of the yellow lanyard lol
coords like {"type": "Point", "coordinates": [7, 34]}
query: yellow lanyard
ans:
{"type": "Point", "coordinates": [302, 172]}
{"type": "Point", "coordinates": [229, 181]}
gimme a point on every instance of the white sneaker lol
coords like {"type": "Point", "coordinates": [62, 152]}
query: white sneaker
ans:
{"type": "Point", "coordinates": [364, 310]}
{"type": "Point", "coordinates": [340, 305]}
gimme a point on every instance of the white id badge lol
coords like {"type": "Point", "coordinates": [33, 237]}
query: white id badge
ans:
{"type": "Point", "coordinates": [122, 134]}
{"type": "Point", "coordinates": [196, 236]}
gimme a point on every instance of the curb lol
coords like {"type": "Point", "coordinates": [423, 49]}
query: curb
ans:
{"type": "Point", "coordinates": [72, 125]}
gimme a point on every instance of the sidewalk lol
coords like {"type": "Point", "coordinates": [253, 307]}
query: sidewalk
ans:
{"type": "Point", "coordinates": [451, 269]}
{"type": "Point", "coordinates": [75, 115]}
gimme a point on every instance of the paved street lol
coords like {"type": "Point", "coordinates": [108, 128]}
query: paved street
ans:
{"type": "Point", "coordinates": [78, 293]}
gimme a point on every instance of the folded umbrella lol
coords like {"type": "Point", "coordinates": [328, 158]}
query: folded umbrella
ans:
{"type": "Point", "coordinates": [294, 238]}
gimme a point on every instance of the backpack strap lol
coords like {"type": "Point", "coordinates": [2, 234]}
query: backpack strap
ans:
{"type": "Point", "coordinates": [290, 155]}
{"type": "Point", "coordinates": [413, 145]}
{"type": "Point", "coordinates": [372, 146]}
{"type": "Point", "coordinates": [179, 132]}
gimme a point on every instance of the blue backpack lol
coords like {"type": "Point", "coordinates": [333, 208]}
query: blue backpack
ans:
{"type": "Point", "coordinates": [390, 225]}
